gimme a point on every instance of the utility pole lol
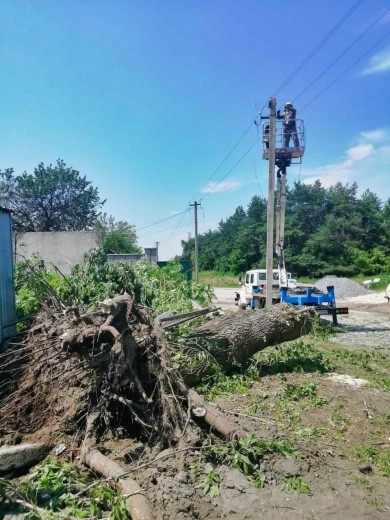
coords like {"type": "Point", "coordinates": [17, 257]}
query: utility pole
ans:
{"type": "Point", "coordinates": [271, 203]}
{"type": "Point", "coordinates": [196, 204]}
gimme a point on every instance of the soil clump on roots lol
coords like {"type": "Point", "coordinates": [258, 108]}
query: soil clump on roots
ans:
{"type": "Point", "coordinates": [113, 362]}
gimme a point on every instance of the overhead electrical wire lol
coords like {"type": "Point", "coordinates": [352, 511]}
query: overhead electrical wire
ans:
{"type": "Point", "coordinates": [342, 54]}
{"type": "Point", "coordinates": [179, 226]}
{"type": "Point", "coordinates": [316, 49]}
{"type": "Point", "coordinates": [233, 167]}
{"type": "Point", "coordinates": [345, 71]}
{"type": "Point", "coordinates": [286, 81]}
{"type": "Point", "coordinates": [162, 220]}
{"type": "Point", "coordinates": [334, 29]}
{"type": "Point", "coordinates": [224, 160]}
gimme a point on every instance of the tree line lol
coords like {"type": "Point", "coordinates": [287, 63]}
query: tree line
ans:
{"type": "Point", "coordinates": [328, 231]}
{"type": "Point", "coordinates": [57, 198]}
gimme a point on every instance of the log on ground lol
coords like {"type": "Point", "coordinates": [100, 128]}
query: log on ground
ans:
{"type": "Point", "coordinates": [232, 340]}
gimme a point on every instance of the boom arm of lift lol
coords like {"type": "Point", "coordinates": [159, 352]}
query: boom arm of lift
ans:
{"type": "Point", "coordinates": [282, 165]}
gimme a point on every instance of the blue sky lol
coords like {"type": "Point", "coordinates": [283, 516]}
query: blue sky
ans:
{"type": "Point", "coordinates": [147, 98]}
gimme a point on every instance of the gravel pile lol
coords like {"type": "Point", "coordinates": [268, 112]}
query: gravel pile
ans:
{"type": "Point", "coordinates": [343, 287]}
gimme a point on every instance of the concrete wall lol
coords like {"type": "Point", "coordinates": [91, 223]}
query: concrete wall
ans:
{"type": "Point", "coordinates": [64, 249]}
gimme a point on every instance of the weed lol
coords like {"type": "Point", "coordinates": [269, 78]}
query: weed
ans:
{"type": "Point", "coordinates": [297, 392]}
{"type": "Point", "coordinates": [385, 383]}
{"type": "Point", "coordinates": [53, 485]}
{"type": "Point", "coordinates": [363, 481]}
{"type": "Point", "coordinates": [372, 455]}
{"type": "Point", "coordinates": [196, 470]}
{"type": "Point", "coordinates": [367, 453]}
{"type": "Point", "coordinates": [310, 433]}
{"type": "Point", "coordinates": [295, 484]}
{"type": "Point", "coordinates": [245, 454]}
{"type": "Point", "coordinates": [210, 483]}
{"type": "Point", "coordinates": [222, 385]}
{"type": "Point", "coordinates": [384, 463]}
{"type": "Point", "coordinates": [318, 401]}
{"type": "Point", "coordinates": [321, 330]}
{"type": "Point", "coordinates": [258, 479]}
{"type": "Point", "coordinates": [257, 404]}
{"type": "Point", "coordinates": [173, 496]}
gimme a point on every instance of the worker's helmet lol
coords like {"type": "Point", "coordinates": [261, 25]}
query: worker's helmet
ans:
{"type": "Point", "coordinates": [288, 104]}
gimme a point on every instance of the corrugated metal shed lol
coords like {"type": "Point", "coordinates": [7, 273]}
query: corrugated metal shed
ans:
{"type": "Point", "coordinates": [7, 291]}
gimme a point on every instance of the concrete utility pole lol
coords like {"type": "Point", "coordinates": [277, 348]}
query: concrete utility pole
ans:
{"type": "Point", "coordinates": [196, 204]}
{"type": "Point", "coordinates": [271, 203]}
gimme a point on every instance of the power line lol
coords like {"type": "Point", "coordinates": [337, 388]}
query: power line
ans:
{"type": "Point", "coordinates": [179, 226]}
{"type": "Point", "coordinates": [162, 220]}
{"type": "Point", "coordinates": [158, 231]}
{"type": "Point", "coordinates": [257, 177]}
{"type": "Point", "coordinates": [286, 81]}
{"type": "Point", "coordinates": [343, 53]}
{"type": "Point", "coordinates": [231, 169]}
{"type": "Point", "coordinates": [319, 46]}
{"type": "Point", "coordinates": [345, 71]}
{"type": "Point", "coordinates": [223, 161]}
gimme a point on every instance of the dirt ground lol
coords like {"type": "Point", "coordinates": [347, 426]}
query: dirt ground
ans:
{"type": "Point", "coordinates": [338, 421]}
{"type": "Point", "coordinates": [327, 398]}
{"type": "Point", "coordinates": [337, 418]}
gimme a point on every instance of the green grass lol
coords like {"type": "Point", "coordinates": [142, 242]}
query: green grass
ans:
{"type": "Point", "coordinates": [380, 286]}
{"type": "Point", "coordinates": [216, 279]}
{"type": "Point", "coordinates": [295, 484]}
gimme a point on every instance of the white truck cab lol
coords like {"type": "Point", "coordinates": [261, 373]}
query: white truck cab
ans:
{"type": "Point", "coordinates": [255, 283]}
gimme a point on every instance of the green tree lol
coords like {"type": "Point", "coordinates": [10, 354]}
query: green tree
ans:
{"type": "Point", "coordinates": [53, 198]}
{"type": "Point", "coordinates": [117, 236]}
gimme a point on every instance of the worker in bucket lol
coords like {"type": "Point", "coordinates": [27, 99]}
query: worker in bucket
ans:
{"type": "Point", "coordinates": [289, 124]}
{"type": "Point", "coordinates": [266, 136]}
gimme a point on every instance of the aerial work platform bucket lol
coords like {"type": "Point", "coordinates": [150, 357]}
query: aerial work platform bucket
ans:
{"type": "Point", "coordinates": [284, 136]}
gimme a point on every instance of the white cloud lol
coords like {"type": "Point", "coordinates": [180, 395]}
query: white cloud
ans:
{"type": "Point", "coordinates": [367, 163]}
{"type": "Point", "coordinates": [374, 135]}
{"type": "Point", "coordinates": [360, 152]}
{"type": "Point", "coordinates": [378, 63]}
{"type": "Point", "coordinates": [217, 187]}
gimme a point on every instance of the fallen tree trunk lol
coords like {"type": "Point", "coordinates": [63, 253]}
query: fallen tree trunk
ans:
{"type": "Point", "coordinates": [232, 340]}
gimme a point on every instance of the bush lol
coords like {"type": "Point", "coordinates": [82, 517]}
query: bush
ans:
{"type": "Point", "coordinates": [95, 279]}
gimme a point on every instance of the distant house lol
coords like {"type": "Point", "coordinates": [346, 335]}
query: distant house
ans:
{"type": "Point", "coordinates": [151, 253]}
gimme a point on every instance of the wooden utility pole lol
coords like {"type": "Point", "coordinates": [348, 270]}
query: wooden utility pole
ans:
{"type": "Point", "coordinates": [196, 204]}
{"type": "Point", "coordinates": [271, 202]}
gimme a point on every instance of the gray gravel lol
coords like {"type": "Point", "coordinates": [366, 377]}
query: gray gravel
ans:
{"type": "Point", "coordinates": [343, 287]}
{"type": "Point", "coordinates": [363, 331]}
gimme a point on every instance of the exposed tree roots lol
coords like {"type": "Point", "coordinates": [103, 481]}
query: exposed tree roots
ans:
{"type": "Point", "coordinates": [109, 374]}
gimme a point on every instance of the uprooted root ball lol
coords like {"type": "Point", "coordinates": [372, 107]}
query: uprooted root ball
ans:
{"type": "Point", "coordinates": [112, 361]}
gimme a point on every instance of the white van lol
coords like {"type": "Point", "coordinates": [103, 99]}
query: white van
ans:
{"type": "Point", "coordinates": [255, 282]}
{"type": "Point", "coordinates": [258, 278]}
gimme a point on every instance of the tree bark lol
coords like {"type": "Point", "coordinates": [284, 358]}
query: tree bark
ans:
{"type": "Point", "coordinates": [232, 340]}
{"type": "Point", "coordinates": [136, 501]}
